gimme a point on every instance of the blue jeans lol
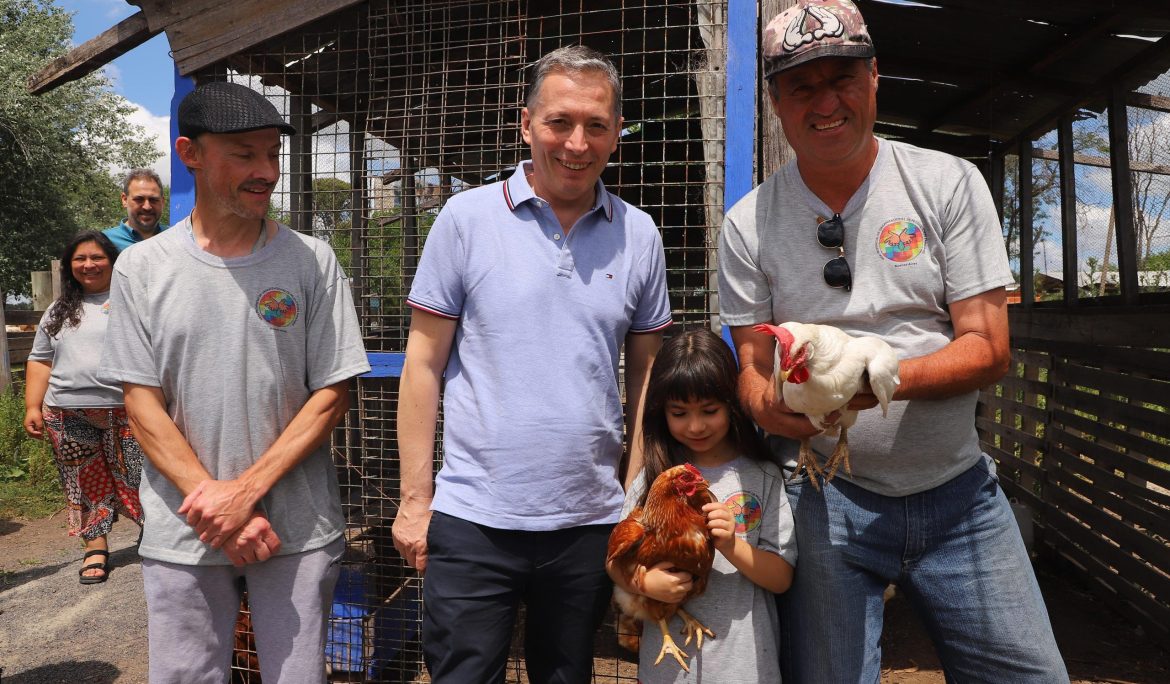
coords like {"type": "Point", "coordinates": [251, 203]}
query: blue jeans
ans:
{"type": "Point", "coordinates": [955, 551]}
{"type": "Point", "coordinates": [476, 578]}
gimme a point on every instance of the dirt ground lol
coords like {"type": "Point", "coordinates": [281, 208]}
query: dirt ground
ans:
{"type": "Point", "coordinates": [52, 629]}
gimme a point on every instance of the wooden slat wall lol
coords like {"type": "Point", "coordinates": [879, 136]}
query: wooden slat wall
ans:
{"type": "Point", "coordinates": [20, 343]}
{"type": "Point", "coordinates": [1080, 429]}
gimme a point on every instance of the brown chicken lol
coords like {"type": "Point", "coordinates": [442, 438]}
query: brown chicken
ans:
{"type": "Point", "coordinates": [670, 527]}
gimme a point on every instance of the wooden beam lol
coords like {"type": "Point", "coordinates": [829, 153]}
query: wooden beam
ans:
{"type": "Point", "coordinates": [204, 35]}
{"type": "Point", "coordinates": [1026, 237]}
{"type": "Point", "coordinates": [1123, 76]}
{"type": "Point", "coordinates": [1045, 56]}
{"type": "Point", "coordinates": [1123, 196]}
{"type": "Point", "coordinates": [1068, 208]}
{"type": "Point", "coordinates": [1158, 103]}
{"type": "Point", "coordinates": [1101, 162]}
{"type": "Point", "coordinates": [93, 54]}
{"type": "Point", "coordinates": [5, 367]}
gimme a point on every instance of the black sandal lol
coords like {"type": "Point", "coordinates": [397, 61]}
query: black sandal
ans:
{"type": "Point", "coordinates": [103, 566]}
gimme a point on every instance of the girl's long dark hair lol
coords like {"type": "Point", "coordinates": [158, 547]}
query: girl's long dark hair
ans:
{"type": "Point", "coordinates": [692, 366]}
{"type": "Point", "coordinates": [66, 311]}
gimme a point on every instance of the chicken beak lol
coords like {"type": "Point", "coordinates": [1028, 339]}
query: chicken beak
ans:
{"type": "Point", "coordinates": [784, 375]}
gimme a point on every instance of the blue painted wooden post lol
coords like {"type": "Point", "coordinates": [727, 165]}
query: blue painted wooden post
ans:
{"type": "Point", "coordinates": [182, 182]}
{"type": "Point", "coordinates": [742, 66]}
{"type": "Point", "coordinates": [740, 142]}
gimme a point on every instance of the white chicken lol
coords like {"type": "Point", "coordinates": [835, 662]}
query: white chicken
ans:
{"type": "Point", "coordinates": [818, 370]}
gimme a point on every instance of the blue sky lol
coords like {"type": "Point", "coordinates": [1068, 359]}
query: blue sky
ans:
{"type": "Point", "coordinates": [144, 76]}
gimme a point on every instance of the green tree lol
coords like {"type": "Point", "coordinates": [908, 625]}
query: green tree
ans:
{"type": "Point", "coordinates": [57, 148]}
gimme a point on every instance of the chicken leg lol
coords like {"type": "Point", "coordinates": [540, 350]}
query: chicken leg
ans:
{"type": "Point", "coordinates": [807, 463]}
{"type": "Point", "coordinates": [840, 456]}
{"type": "Point", "coordinates": [668, 646]}
{"type": "Point", "coordinates": [693, 628]}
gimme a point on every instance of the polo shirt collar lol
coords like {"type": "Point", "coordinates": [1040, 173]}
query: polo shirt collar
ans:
{"type": "Point", "coordinates": [517, 191]}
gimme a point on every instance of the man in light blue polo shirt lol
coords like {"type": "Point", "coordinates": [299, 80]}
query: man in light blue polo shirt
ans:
{"type": "Point", "coordinates": [142, 198]}
{"type": "Point", "coordinates": [525, 294]}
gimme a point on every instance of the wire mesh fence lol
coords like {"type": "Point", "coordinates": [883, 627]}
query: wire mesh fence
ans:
{"type": "Point", "coordinates": [398, 106]}
{"type": "Point", "coordinates": [1097, 262]}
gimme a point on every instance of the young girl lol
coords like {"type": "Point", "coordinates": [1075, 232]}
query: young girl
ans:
{"type": "Point", "coordinates": [692, 415]}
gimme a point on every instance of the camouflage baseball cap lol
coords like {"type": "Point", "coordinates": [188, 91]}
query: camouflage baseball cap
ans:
{"type": "Point", "coordinates": [812, 29]}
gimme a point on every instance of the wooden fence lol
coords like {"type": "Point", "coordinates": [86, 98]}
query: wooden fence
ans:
{"type": "Point", "coordinates": [18, 344]}
{"type": "Point", "coordinates": [1080, 429]}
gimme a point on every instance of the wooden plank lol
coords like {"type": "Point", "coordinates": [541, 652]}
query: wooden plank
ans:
{"type": "Point", "coordinates": [1025, 385]}
{"type": "Point", "coordinates": [93, 54]}
{"type": "Point", "coordinates": [1140, 326]}
{"type": "Point", "coordinates": [1133, 417]}
{"type": "Point", "coordinates": [1110, 460]}
{"type": "Point", "coordinates": [22, 317]}
{"type": "Point", "coordinates": [1018, 436]}
{"type": "Point", "coordinates": [1152, 362]}
{"type": "Point", "coordinates": [1132, 577]}
{"type": "Point", "coordinates": [1107, 490]}
{"type": "Point", "coordinates": [1148, 448]}
{"type": "Point", "coordinates": [1030, 357]}
{"type": "Point", "coordinates": [1122, 595]}
{"type": "Point", "coordinates": [1151, 555]}
{"type": "Point", "coordinates": [1012, 461]}
{"type": "Point", "coordinates": [5, 365]}
{"type": "Point", "coordinates": [1133, 388]}
{"type": "Point", "coordinates": [1102, 162]}
{"type": "Point", "coordinates": [203, 35]}
{"type": "Point", "coordinates": [1012, 407]}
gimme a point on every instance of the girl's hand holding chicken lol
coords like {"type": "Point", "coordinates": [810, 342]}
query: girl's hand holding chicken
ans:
{"type": "Point", "coordinates": [721, 525]}
{"type": "Point", "coordinates": [665, 582]}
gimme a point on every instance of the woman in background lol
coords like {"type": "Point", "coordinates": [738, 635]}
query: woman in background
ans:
{"type": "Point", "coordinates": [84, 418]}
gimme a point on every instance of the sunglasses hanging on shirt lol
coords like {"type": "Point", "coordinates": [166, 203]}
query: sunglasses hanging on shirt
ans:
{"type": "Point", "coordinates": [831, 235]}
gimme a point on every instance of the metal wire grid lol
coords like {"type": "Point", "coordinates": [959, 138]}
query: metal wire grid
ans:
{"type": "Point", "coordinates": [402, 104]}
{"type": "Point", "coordinates": [1148, 137]}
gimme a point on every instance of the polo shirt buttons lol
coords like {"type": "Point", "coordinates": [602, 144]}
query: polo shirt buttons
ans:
{"type": "Point", "coordinates": [556, 236]}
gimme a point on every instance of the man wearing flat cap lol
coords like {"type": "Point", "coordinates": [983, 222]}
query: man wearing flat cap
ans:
{"type": "Point", "coordinates": [880, 238]}
{"type": "Point", "coordinates": [234, 338]}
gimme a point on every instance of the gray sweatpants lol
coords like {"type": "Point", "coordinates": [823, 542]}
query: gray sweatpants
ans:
{"type": "Point", "coordinates": [191, 616]}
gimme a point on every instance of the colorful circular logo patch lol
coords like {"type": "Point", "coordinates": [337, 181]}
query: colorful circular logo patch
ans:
{"type": "Point", "coordinates": [901, 240]}
{"type": "Point", "coordinates": [106, 308]}
{"type": "Point", "coordinates": [277, 307]}
{"type": "Point", "coordinates": [747, 511]}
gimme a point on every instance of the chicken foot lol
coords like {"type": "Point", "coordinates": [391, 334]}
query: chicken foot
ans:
{"type": "Point", "coordinates": [693, 628]}
{"type": "Point", "coordinates": [807, 463]}
{"type": "Point", "coordinates": [840, 456]}
{"type": "Point", "coordinates": [668, 646]}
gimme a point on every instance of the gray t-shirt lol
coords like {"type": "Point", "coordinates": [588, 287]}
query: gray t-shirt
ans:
{"type": "Point", "coordinates": [741, 613]}
{"type": "Point", "coordinates": [920, 233]}
{"type": "Point", "coordinates": [74, 353]}
{"type": "Point", "coordinates": [237, 346]}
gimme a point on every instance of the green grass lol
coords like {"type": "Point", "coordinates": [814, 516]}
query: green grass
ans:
{"type": "Point", "coordinates": [29, 484]}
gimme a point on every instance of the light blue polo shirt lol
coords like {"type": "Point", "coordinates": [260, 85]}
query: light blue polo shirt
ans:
{"type": "Point", "coordinates": [532, 418]}
{"type": "Point", "coordinates": [123, 236]}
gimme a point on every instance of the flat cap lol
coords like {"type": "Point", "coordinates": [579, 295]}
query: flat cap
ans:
{"type": "Point", "coordinates": [222, 107]}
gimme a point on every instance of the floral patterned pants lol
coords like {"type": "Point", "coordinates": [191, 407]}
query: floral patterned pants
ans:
{"type": "Point", "coordinates": [100, 464]}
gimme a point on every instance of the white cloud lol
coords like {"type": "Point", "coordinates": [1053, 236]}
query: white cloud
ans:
{"type": "Point", "coordinates": [113, 74]}
{"type": "Point", "coordinates": [160, 128]}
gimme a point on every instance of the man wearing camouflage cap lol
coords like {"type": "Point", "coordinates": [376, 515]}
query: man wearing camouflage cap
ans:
{"type": "Point", "coordinates": [881, 238]}
{"type": "Point", "coordinates": [234, 339]}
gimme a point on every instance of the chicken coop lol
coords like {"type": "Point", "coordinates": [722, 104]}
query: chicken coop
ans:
{"type": "Point", "coordinates": [1064, 104]}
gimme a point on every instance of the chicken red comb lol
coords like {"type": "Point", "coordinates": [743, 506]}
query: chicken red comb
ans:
{"type": "Point", "coordinates": [687, 482]}
{"type": "Point", "coordinates": [778, 332]}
